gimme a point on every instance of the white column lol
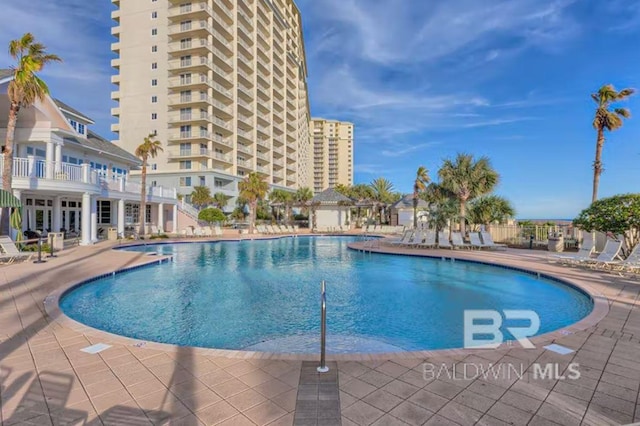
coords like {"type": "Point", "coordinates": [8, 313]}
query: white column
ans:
{"type": "Point", "coordinates": [58, 157]}
{"type": "Point", "coordinates": [49, 160]}
{"type": "Point", "coordinates": [94, 219]}
{"type": "Point", "coordinates": [86, 219]}
{"type": "Point", "coordinates": [86, 173]}
{"type": "Point", "coordinates": [57, 214]}
{"type": "Point", "coordinates": [120, 223]}
{"type": "Point", "coordinates": [161, 217]}
{"type": "Point", "coordinates": [175, 218]}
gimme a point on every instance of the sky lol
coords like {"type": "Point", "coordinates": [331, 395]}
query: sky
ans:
{"type": "Point", "coordinates": [423, 80]}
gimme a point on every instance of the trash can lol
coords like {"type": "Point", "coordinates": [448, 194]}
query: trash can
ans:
{"type": "Point", "coordinates": [112, 234]}
{"type": "Point", "coordinates": [57, 240]}
{"type": "Point", "coordinates": [556, 242]}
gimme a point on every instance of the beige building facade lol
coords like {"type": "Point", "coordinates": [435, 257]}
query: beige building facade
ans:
{"type": "Point", "coordinates": [332, 144]}
{"type": "Point", "coordinates": [223, 85]}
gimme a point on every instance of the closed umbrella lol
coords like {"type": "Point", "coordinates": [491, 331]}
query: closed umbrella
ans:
{"type": "Point", "coordinates": [7, 199]}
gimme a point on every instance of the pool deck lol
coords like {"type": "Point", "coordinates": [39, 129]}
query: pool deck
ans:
{"type": "Point", "coordinates": [45, 379]}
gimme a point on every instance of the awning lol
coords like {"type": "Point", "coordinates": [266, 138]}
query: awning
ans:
{"type": "Point", "coordinates": [7, 199]}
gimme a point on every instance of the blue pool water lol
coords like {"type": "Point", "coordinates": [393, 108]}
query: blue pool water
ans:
{"type": "Point", "coordinates": [264, 295]}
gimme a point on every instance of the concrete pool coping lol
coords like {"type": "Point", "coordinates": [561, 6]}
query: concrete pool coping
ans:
{"type": "Point", "coordinates": [600, 304]}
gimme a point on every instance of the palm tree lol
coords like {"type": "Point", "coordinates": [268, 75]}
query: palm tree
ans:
{"type": "Point", "coordinates": [24, 90]}
{"type": "Point", "coordinates": [148, 149]}
{"type": "Point", "coordinates": [606, 119]}
{"type": "Point", "coordinates": [280, 196]}
{"type": "Point", "coordinates": [467, 179]}
{"type": "Point", "coordinates": [443, 206]}
{"type": "Point", "coordinates": [303, 196]}
{"type": "Point", "coordinates": [201, 196]}
{"type": "Point", "coordinates": [382, 194]}
{"type": "Point", "coordinates": [253, 189]}
{"type": "Point", "coordinates": [220, 200]}
{"type": "Point", "coordinates": [490, 209]}
{"type": "Point", "coordinates": [361, 193]}
{"type": "Point", "coordinates": [419, 185]}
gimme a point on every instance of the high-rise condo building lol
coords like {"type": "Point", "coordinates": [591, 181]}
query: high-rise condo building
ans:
{"type": "Point", "coordinates": [332, 145]}
{"type": "Point", "coordinates": [223, 85]}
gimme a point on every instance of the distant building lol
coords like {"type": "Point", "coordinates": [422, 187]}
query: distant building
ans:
{"type": "Point", "coordinates": [402, 211]}
{"type": "Point", "coordinates": [332, 146]}
{"type": "Point", "coordinates": [222, 83]}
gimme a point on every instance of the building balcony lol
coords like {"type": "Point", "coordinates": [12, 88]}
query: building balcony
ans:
{"type": "Point", "coordinates": [246, 135]}
{"type": "Point", "coordinates": [263, 156]}
{"type": "Point", "coordinates": [222, 140]}
{"type": "Point", "coordinates": [190, 11]}
{"type": "Point", "coordinates": [245, 149]}
{"type": "Point", "coordinates": [265, 143]}
{"type": "Point", "coordinates": [30, 173]}
{"type": "Point", "coordinates": [182, 137]}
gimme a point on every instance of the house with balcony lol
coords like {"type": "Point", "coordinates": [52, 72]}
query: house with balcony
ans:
{"type": "Point", "coordinates": [69, 179]}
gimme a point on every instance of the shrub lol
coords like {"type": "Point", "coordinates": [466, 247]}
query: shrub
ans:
{"type": "Point", "coordinates": [159, 237]}
{"type": "Point", "coordinates": [34, 247]}
{"type": "Point", "coordinates": [212, 215]}
{"type": "Point", "coordinates": [619, 215]}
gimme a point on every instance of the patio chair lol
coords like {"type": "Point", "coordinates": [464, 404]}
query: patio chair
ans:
{"type": "Point", "coordinates": [610, 253]}
{"type": "Point", "coordinates": [416, 237]}
{"type": "Point", "coordinates": [457, 241]}
{"type": "Point", "coordinates": [584, 253]}
{"type": "Point", "coordinates": [10, 252]}
{"type": "Point", "coordinates": [487, 240]}
{"type": "Point", "coordinates": [189, 232]}
{"type": "Point", "coordinates": [154, 230]}
{"type": "Point", "coordinates": [406, 237]}
{"type": "Point", "coordinates": [198, 232]}
{"type": "Point", "coordinates": [429, 239]}
{"type": "Point", "coordinates": [476, 242]}
{"type": "Point", "coordinates": [631, 263]}
{"type": "Point", "coordinates": [443, 240]}
{"type": "Point", "coordinates": [207, 232]}
{"type": "Point", "coordinates": [217, 231]}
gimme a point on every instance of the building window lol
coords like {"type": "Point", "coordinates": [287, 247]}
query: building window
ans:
{"type": "Point", "coordinates": [154, 31]}
{"type": "Point", "coordinates": [154, 82]}
{"type": "Point", "coordinates": [154, 66]}
{"type": "Point", "coordinates": [154, 183]}
{"type": "Point", "coordinates": [154, 116]}
{"type": "Point", "coordinates": [81, 128]}
{"type": "Point", "coordinates": [185, 181]}
{"type": "Point", "coordinates": [104, 212]}
{"type": "Point", "coordinates": [154, 99]}
{"type": "Point", "coordinates": [154, 49]}
{"type": "Point", "coordinates": [203, 181]}
{"type": "Point", "coordinates": [185, 165]}
{"type": "Point", "coordinates": [154, 166]}
{"type": "Point", "coordinates": [154, 15]}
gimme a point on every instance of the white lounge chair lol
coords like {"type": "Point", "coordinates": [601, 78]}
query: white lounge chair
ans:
{"type": "Point", "coordinates": [207, 232]}
{"type": "Point", "coordinates": [585, 251]}
{"type": "Point", "coordinates": [429, 239]}
{"type": "Point", "coordinates": [416, 237]}
{"type": "Point", "coordinates": [217, 231]}
{"type": "Point", "coordinates": [610, 253]}
{"type": "Point", "coordinates": [476, 242]}
{"type": "Point", "coordinates": [443, 240]}
{"type": "Point", "coordinates": [10, 252]}
{"type": "Point", "coordinates": [406, 237]}
{"type": "Point", "coordinates": [457, 241]}
{"type": "Point", "coordinates": [487, 240]}
{"type": "Point", "coordinates": [189, 232]}
{"type": "Point", "coordinates": [198, 232]}
{"type": "Point", "coordinates": [631, 263]}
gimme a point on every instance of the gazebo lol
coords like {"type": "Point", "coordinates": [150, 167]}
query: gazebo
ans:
{"type": "Point", "coordinates": [330, 209]}
{"type": "Point", "coordinates": [8, 200]}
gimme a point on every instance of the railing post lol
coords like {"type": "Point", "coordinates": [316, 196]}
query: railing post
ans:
{"type": "Point", "coordinates": [323, 330]}
{"type": "Point", "coordinates": [39, 252]}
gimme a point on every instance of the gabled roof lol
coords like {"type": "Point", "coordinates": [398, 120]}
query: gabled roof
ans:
{"type": "Point", "coordinates": [66, 108]}
{"type": "Point", "coordinates": [330, 196]}
{"type": "Point", "coordinates": [406, 202]}
{"type": "Point", "coordinates": [97, 143]}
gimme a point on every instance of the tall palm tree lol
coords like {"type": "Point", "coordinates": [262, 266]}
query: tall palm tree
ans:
{"type": "Point", "coordinates": [606, 119]}
{"type": "Point", "coordinates": [220, 200]}
{"type": "Point", "coordinates": [467, 179]}
{"type": "Point", "coordinates": [443, 206]}
{"type": "Point", "coordinates": [24, 90]}
{"type": "Point", "coordinates": [253, 189]}
{"type": "Point", "coordinates": [285, 198]}
{"type": "Point", "coordinates": [382, 194]}
{"type": "Point", "coordinates": [150, 148]}
{"type": "Point", "coordinates": [201, 196]}
{"type": "Point", "coordinates": [419, 185]}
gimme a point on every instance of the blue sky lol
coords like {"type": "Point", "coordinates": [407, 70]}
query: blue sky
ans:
{"type": "Point", "coordinates": [423, 80]}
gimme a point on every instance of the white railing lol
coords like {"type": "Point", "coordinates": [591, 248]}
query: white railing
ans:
{"type": "Point", "coordinates": [31, 168]}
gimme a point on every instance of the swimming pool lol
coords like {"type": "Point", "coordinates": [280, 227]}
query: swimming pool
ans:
{"type": "Point", "coordinates": [264, 296]}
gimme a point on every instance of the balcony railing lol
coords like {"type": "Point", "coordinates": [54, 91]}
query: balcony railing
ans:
{"type": "Point", "coordinates": [34, 169]}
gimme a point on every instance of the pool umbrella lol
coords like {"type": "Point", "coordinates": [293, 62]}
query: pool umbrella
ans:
{"type": "Point", "coordinates": [7, 199]}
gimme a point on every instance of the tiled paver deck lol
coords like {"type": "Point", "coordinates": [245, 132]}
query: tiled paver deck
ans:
{"type": "Point", "coordinates": [45, 379]}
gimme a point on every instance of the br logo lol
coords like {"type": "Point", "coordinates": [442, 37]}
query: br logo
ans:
{"type": "Point", "coordinates": [482, 328]}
